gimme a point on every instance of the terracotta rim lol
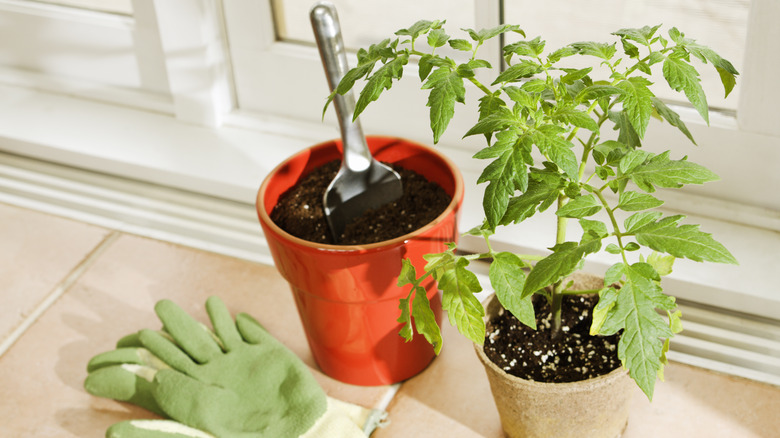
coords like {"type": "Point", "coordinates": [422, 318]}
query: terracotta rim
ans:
{"type": "Point", "coordinates": [457, 197]}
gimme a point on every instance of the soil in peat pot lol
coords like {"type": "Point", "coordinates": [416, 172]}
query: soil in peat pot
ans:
{"type": "Point", "coordinates": [533, 355]}
{"type": "Point", "coordinates": [300, 210]}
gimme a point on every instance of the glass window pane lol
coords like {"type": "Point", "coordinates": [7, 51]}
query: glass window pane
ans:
{"type": "Point", "coordinates": [364, 22]}
{"type": "Point", "coordinates": [124, 7]}
{"type": "Point", "coordinates": [719, 24]}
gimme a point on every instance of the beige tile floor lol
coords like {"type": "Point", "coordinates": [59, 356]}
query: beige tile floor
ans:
{"type": "Point", "coordinates": [69, 290]}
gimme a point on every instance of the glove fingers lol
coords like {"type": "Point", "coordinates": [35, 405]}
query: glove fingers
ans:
{"type": "Point", "coordinates": [167, 351]}
{"type": "Point", "coordinates": [188, 333]}
{"type": "Point", "coordinates": [251, 330]}
{"type": "Point", "coordinates": [223, 323]}
{"type": "Point", "coordinates": [129, 383]}
{"type": "Point", "coordinates": [154, 429]}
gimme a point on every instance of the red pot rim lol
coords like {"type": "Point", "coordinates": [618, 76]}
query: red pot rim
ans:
{"type": "Point", "coordinates": [457, 197]}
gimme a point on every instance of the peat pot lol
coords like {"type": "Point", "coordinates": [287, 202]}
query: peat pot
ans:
{"type": "Point", "coordinates": [347, 296]}
{"type": "Point", "coordinates": [594, 408]}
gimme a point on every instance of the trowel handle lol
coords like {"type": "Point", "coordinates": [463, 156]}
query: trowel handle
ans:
{"type": "Point", "coordinates": [327, 31]}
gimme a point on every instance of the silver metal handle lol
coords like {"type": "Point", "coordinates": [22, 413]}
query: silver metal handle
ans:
{"type": "Point", "coordinates": [327, 31]}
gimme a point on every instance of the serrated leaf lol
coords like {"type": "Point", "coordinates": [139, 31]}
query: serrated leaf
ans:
{"type": "Point", "coordinates": [660, 171]}
{"type": "Point", "coordinates": [637, 102]}
{"type": "Point", "coordinates": [638, 220]}
{"type": "Point", "coordinates": [600, 50]}
{"type": "Point", "coordinates": [464, 310]}
{"type": "Point", "coordinates": [507, 278]}
{"type": "Point", "coordinates": [607, 299]}
{"type": "Point", "coordinates": [460, 44]}
{"type": "Point", "coordinates": [523, 69]}
{"type": "Point", "coordinates": [596, 91]}
{"type": "Point", "coordinates": [381, 80]}
{"type": "Point", "coordinates": [425, 320]}
{"type": "Point", "coordinates": [672, 117]}
{"type": "Point", "coordinates": [574, 75]}
{"type": "Point", "coordinates": [437, 38]}
{"type": "Point", "coordinates": [498, 120]}
{"type": "Point", "coordinates": [446, 88]}
{"type": "Point", "coordinates": [532, 48]}
{"type": "Point", "coordinates": [614, 274]}
{"type": "Point", "coordinates": [557, 149]}
{"type": "Point", "coordinates": [632, 160]}
{"type": "Point", "coordinates": [661, 263]}
{"type": "Point", "coordinates": [682, 76]}
{"type": "Point", "coordinates": [562, 262]}
{"type": "Point", "coordinates": [593, 230]}
{"type": "Point", "coordinates": [561, 53]}
{"type": "Point", "coordinates": [635, 201]}
{"type": "Point", "coordinates": [641, 344]}
{"type": "Point", "coordinates": [641, 35]}
{"type": "Point", "coordinates": [626, 132]}
{"type": "Point", "coordinates": [609, 152]}
{"type": "Point", "coordinates": [520, 96]}
{"type": "Point", "coordinates": [684, 241]}
{"type": "Point", "coordinates": [571, 116]}
{"type": "Point", "coordinates": [486, 34]}
{"type": "Point", "coordinates": [543, 190]}
{"type": "Point", "coordinates": [580, 207]}
{"type": "Point", "coordinates": [418, 28]}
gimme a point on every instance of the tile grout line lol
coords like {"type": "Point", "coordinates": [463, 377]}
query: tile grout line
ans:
{"type": "Point", "coordinates": [69, 280]}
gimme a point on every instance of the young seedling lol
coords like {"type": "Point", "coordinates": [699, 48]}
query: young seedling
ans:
{"type": "Point", "coordinates": [538, 107]}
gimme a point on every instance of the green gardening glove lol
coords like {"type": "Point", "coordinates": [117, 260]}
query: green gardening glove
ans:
{"type": "Point", "coordinates": [239, 382]}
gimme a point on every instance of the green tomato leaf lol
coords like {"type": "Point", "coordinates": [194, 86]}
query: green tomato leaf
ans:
{"type": "Point", "coordinates": [462, 45]}
{"type": "Point", "coordinates": [499, 119]}
{"type": "Point", "coordinates": [523, 69]}
{"type": "Point", "coordinates": [557, 149]}
{"type": "Point", "coordinates": [661, 263]}
{"type": "Point", "coordinates": [600, 50]}
{"type": "Point", "coordinates": [532, 48]}
{"type": "Point", "coordinates": [425, 319]}
{"type": "Point", "coordinates": [507, 278]}
{"type": "Point", "coordinates": [627, 135]}
{"type": "Point", "coordinates": [437, 38]}
{"type": "Point", "coordinates": [486, 34]}
{"type": "Point", "coordinates": [684, 241]}
{"type": "Point", "coordinates": [580, 207]}
{"type": "Point", "coordinates": [660, 171]}
{"type": "Point", "coordinates": [543, 191]}
{"type": "Point", "coordinates": [562, 262]}
{"type": "Point", "coordinates": [446, 88]}
{"type": "Point", "coordinates": [458, 287]}
{"type": "Point", "coordinates": [635, 201]}
{"type": "Point", "coordinates": [642, 36]}
{"type": "Point", "coordinates": [641, 345]}
{"type": "Point", "coordinates": [637, 103]}
{"type": "Point", "coordinates": [596, 91]}
{"type": "Point", "coordinates": [593, 230]}
{"type": "Point", "coordinates": [419, 28]}
{"type": "Point", "coordinates": [638, 220]}
{"type": "Point", "coordinates": [672, 117]}
{"type": "Point", "coordinates": [571, 116]}
{"type": "Point", "coordinates": [682, 76]}
{"type": "Point", "coordinates": [380, 81]}
{"type": "Point", "coordinates": [607, 299]}
{"type": "Point", "coordinates": [561, 53]}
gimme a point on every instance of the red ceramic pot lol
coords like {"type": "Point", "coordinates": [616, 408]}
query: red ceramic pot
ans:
{"type": "Point", "coordinates": [347, 296]}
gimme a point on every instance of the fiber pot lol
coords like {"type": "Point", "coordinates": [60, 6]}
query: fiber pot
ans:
{"type": "Point", "coordinates": [347, 296]}
{"type": "Point", "coordinates": [594, 408]}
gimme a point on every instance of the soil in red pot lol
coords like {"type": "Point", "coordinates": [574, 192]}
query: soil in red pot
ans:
{"type": "Point", "coordinates": [300, 210]}
{"type": "Point", "coordinates": [534, 355]}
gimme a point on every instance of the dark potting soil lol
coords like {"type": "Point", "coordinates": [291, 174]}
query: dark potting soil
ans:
{"type": "Point", "coordinates": [534, 355]}
{"type": "Point", "coordinates": [300, 211]}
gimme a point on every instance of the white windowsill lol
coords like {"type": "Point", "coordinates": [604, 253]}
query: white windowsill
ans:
{"type": "Point", "coordinates": [230, 163]}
